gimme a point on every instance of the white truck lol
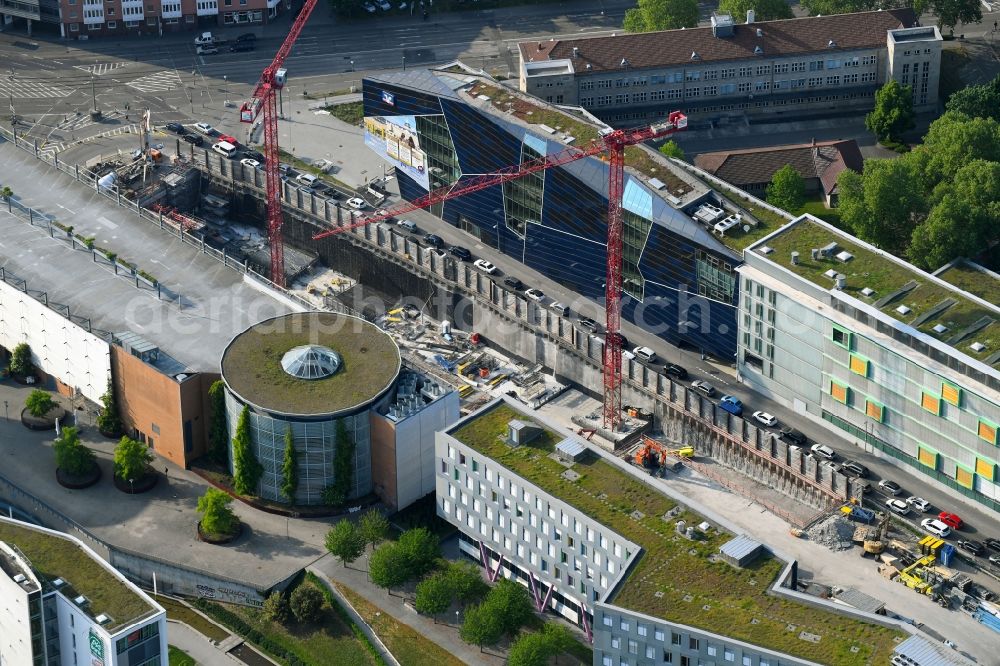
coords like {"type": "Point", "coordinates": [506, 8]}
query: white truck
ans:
{"type": "Point", "coordinates": [204, 39]}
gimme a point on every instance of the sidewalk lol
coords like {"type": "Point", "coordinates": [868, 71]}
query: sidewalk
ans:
{"type": "Point", "coordinates": [197, 646]}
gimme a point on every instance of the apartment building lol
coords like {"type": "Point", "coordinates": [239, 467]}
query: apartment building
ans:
{"type": "Point", "coordinates": [83, 19]}
{"type": "Point", "coordinates": [905, 362]}
{"type": "Point", "coordinates": [62, 605]}
{"type": "Point", "coordinates": [811, 66]}
{"type": "Point", "coordinates": [650, 580]}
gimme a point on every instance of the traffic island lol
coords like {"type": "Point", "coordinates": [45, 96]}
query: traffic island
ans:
{"type": "Point", "coordinates": [143, 484]}
{"type": "Point", "coordinates": [78, 481]}
{"type": "Point", "coordinates": [220, 539]}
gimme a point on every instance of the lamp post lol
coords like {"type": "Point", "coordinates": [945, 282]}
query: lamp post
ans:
{"type": "Point", "coordinates": [131, 485]}
{"type": "Point", "coordinates": [6, 417]}
{"type": "Point", "coordinates": [404, 63]}
{"type": "Point", "coordinates": [352, 65]}
{"type": "Point", "coordinates": [225, 85]}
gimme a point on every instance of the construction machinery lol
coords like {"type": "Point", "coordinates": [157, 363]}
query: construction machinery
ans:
{"type": "Point", "coordinates": [610, 142]}
{"type": "Point", "coordinates": [874, 541]}
{"type": "Point", "coordinates": [264, 98]}
{"type": "Point", "coordinates": [921, 577]}
{"type": "Point", "coordinates": [652, 454]}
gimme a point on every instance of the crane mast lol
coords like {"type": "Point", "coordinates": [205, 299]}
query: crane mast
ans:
{"type": "Point", "coordinates": [264, 99]}
{"type": "Point", "coordinates": [613, 143]}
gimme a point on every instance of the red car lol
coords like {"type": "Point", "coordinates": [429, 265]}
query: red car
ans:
{"type": "Point", "coordinates": [951, 520]}
{"type": "Point", "coordinates": [230, 139]}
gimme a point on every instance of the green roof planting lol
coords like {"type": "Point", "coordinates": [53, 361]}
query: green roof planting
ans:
{"type": "Point", "coordinates": [973, 279]}
{"type": "Point", "coordinates": [924, 304]}
{"type": "Point", "coordinates": [694, 587]}
{"type": "Point", "coordinates": [369, 363]}
{"type": "Point", "coordinates": [54, 557]}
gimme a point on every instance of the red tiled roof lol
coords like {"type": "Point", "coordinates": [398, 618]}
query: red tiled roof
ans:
{"type": "Point", "coordinates": [823, 160]}
{"type": "Point", "coordinates": [674, 47]}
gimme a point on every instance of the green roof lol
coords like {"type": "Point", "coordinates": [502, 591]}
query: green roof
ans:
{"type": "Point", "coordinates": [885, 276]}
{"type": "Point", "coordinates": [251, 364]}
{"type": "Point", "coordinates": [693, 589]}
{"type": "Point", "coordinates": [54, 557]}
{"type": "Point", "coordinates": [973, 279]}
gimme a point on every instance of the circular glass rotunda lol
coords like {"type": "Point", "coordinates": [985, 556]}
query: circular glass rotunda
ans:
{"type": "Point", "coordinates": [317, 374]}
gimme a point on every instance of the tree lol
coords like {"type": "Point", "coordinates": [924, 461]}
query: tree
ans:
{"type": "Point", "coordinates": [6, 193]}
{"type": "Point", "coordinates": [344, 542]}
{"type": "Point", "coordinates": [419, 549]}
{"type": "Point", "coordinates": [982, 101]}
{"type": "Point", "coordinates": [20, 360]}
{"type": "Point", "coordinates": [434, 595]}
{"type": "Point", "coordinates": [481, 626]}
{"type": "Point", "coordinates": [343, 467]}
{"type": "Point", "coordinates": [39, 403]}
{"type": "Point", "coordinates": [952, 12]}
{"type": "Point", "coordinates": [650, 15]}
{"type": "Point", "coordinates": [893, 112]}
{"type": "Point", "coordinates": [510, 602]}
{"type": "Point", "coordinates": [132, 459]}
{"type": "Point", "coordinates": [387, 566]}
{"type": "Point", "coordinates": [764, 10]}
{"type": "Point", "coordinates": [827, 7]}
{"type": "Point", "coordinates": [892, 204]}
{"type": "Point", "coordinates": [373, 527]}
{"type": "Point", "coordinates": [952, 141]}
{"type": "Point", "coordinates": [787, 190]}
{"type": "Point", "coordinates": [218, 433]}
{"type": "Point", "coordinates": [216, 516]}
{"type": "Point", "coordinates": [289, 468]}
{"type": "Point", "coordinates": [466, 581]}
{"type": "Point", "coordinates": [108, 420]}
{"type": "Point", "coordinates": [671, 149]}
{"type": "Point", "coordinates": [305, 603]}
{"type": "Point", "coordinates": [536, 648]}
{"type": "Point", "coordinates": [276, 607]}
{"type": "Point", "coordinates": [248, 469]}
{"type": "Point", "coordinates": [71, 456]}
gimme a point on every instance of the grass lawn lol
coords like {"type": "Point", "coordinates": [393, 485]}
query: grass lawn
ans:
{"type": "Point", "coordinates": [179, 657]}
{"type": "Point", "coordinates": [182, 613]}
{"type": "Point", "coordinates": [973, 281]}
{"type": "Point", "coordinates": [674, 578]}
{"type": "Point", "coordinates": [817, 209]}
{"type": "Point", "coordinates": [351, 113]}
{"type": "Point", "coordinates": [407, 645]}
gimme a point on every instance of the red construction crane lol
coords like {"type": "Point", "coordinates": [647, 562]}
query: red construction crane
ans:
{"type": "Point", "coordinates": [613, 143]}
{"type": "Point", "coordinates": [264, 99]}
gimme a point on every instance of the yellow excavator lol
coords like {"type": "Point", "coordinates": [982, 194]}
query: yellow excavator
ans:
{"type": "Point", "coordinates": [874, 542]}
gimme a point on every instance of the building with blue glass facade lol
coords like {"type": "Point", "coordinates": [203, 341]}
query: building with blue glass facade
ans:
{"type": "Point", "coordinates": [438, 127]}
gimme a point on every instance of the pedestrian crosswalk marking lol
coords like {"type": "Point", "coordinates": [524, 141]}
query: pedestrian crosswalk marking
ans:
{"type": "Point", "coordinates": [159, 82]}
{"type": "Point", "coordinates": [101, 67]}
{"type": "Point", "coordinates": [48, 149]}
{"type": "Point", "coordinates": [20, 89]}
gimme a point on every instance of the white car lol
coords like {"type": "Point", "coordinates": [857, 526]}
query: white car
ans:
{"type": "Point", "coordinates": [383, 5]}
{"type": "Point", "coordinates": [627, 354]}
{"type": "Point", "coordinates": [766, 419]}
{"type": "Point", "coordinates": [935, 527]}
{"type": "Point", "coordinates": [253, 164]}
{"type": "Point", "coordinates": [918, 503]}
{"type": "Point", "coordinates": [485, 266]}
{"type": "Point", "coordinates": [357, 203]}
{"type": "Point", "coordinates": [535, 294]}
{"type": "Point", "coordinates": [823, 451]}
{"type": "Point", "coordinates": [369, 7]}
{"type": "Point", "coordinates": [898, 505]}
{"type": "Point", "coordinates": [204, 38]}
{"type": "Point", "coordinates": [204, 128]}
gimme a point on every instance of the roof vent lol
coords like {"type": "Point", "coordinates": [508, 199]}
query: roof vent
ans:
{"type": "Point", "coordinates": [102, 619]}
{"type": "Point", "coordinates": [760, 33]}
{"type": "Point", "coordinates": [977, 346]}
{"type": "Point", "coordinates": [795, 258]}
{"type": "Point", "coordinates": [840, 281]}
{"type": "Point", "coordinates": [576, 51]}
{"type": "Point", "coordinates": [845, 256]}
{"type": "Point", "coordinates": [20, 578]}
{"type": "Point", "coordinates": [750, 16]}
{"type": "Point", "coordinates": [624, 62]}
{"type": "Point", "coordinates": [758, 51]}
{"type": "Point", "coordinates": [903, 310]}
{"type": "Point", "coordinates": [58, 582]}
{"type": "Point", "coordinates": [831, 44]}
{"type": "Point", "coordinates": [695, 56]}
{"type": "Point", "coordinates": [867, 291]}
{"type": "Point", "coordinates": [940, 328]}
{"type": "Point", "coordinates": [81, 600]}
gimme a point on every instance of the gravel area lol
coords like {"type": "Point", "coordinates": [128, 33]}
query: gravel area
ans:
{"type": "Point", "coordinates": [835, 533]}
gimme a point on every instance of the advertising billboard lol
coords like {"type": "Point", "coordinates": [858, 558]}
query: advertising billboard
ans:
{"type": "Point", "coordinates": [395, 138]}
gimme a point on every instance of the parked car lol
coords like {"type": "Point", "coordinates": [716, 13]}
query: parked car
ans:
{"type": "Point", "coordinates": [240, 47]}
{"type": "Point", "coordinates": [513, 283]}
{"type": "Point", "coordinates": [972, 547]}
{"type": "Point", "coordinates": [247, 37]}
{"type": "Point", "coordinates": [890, 487]}
{"type": "Point", "coordinates": [383, 5]}
{"type": "Point", "coordinates": [304, 189]}
{"type": "Point", "coordinates": [935, 527]}
{"type": "Point", "coordinates": [434, 241]}
{"type": "Point", "coordinates": [306, 178]}
{"type": "Point", "coordinates": [254, 155]}
{"type": "Point", "coordinates": [823, 451]}
{"type": "Point", "coordinates": [253, 164]}
{"type": "Point", "coordinates": [203, 39]}
{"type": "Point", "coordinates": [766, 419]}
{"type": "Point", "coordinates": [703, 387]}
{"type": "Point", "coordinates": [951, 520]}
{"type": "Point", "coordinates": [369, 7]}
{"type": "Point", "coordinates": [208, 49]}
{"type": "Point", "coordinates": [177, 127]}
{"type": "Point", "coordinates": [995, 560]}
{"type": "Point", "coordinates": [852, 468]}
{"type": "Point", "coordinates": [357, 203]}
{"type": "Point", "coordinates": [588, 323]}
{"type": "Point", "coordinates": [460, 252]}
{"type": "Point", "coordinates": [918, 503]}
{"type": "Point", "coordinates": [535, 294]}
{"type": "Point", "coordinates": [793, 436]}
{"type": "Point", "coordinates": [204, 128]}
{"type": "Point", "coordinates": [898, 506]}
{"type": "Point", "coordinates": [194, 139]}
{"type": "Point", "coordinates": [732, 404]}
{"type": "Point", "coordinates": [229, 139]}
{"type": "Point", "coordinates": [485, 266]}
{"type": "Point", "coordinates": [559, 308]}
{"type": "Point", "coordinates": [645, 354]}
{"type": "Point", "coordinates": [409, 225]}
{"type": "Point", "coordinates": [674, 370]}
{"type": "Point", "coordinates": [993, 543]}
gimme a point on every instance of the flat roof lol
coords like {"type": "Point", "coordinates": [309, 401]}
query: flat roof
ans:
{"type": "Point", "coordinates": [55, 556]}
{"type": "Point", "coordinates": [929, 303]}
{"type": "Point", "coordinates": [370, 363]}
{"type": "Point", "coordinates": [673, 578]}
{"type": "Point", "coordinates": [972, 278]}
{"type": "Point", "coordinates": [788, 37]}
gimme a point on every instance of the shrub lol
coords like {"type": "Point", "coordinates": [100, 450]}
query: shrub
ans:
{"type": "Point", "coordinates": [108, 421]}
{"type": "Point", "coordinates": [218, 432]}
{"type": "Point", "coordinates": [39, 403]}
{"type": "Point", "coordinates": [276, 607]}
{"type": "Point", "coordinates": [216, 516]}
{"type": "Point", "coordinates": [306, 602]}
{"type": "Point", "coordinates": [132, 459]}
{"type": "Point", "coordinates": [247, 469]}
{"type": "Point", "coordinates": [72, 457]}
{"type": "Point", "coordinates": [344, 542]}
{"type": "Point", "coordinates": [20, 360]}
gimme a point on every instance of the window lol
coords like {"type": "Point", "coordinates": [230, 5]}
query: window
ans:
{"type": "Point", "coordinates": [815, 81]}
{"type": "Point", "coordinates": [633, 647]}
{"type": "Point", "coordinates": [781, 68]}
{"type": "Point", "coordinates": [674, 93]}
{"type": "Point", "coordinates": [860, 365]}
{"type": "Point", "coordinates": [744, 87]}
{"type": "Point", "coordinates": [816, 66]}
{"type": "Point", "coordinates": [951, 394]}
{"type": "Point", "coordinates": [712, 75]}
{"type": "Point", "coordinates": [728, 655]}
{"type": "Point", "coordinates": [727, 88]}
{"type": "Point", "coordinates": [850, 78]}
{"type": "Point", "coordinates": [623, 624]}
{"type": "Point", "coordinates": [986, 469]}
{"type": "Point", "coordinates": [746, 71]}
{"type": "Point", "coordinates": [712, 650]}
{"type": "Point", "coordinates": [833, 80]}
{"type": "Point", "coordinates": [761, 86]}
{"type": "Point", "coordinates": [851, 62]}
{"type": "Point", "coordinates": [729, 72]}
{"type": "Point", "coordinates": [692, 643]}
{"type": "Point", "coordinates": [874, 410]}
{"type": "Point", "coordinates": [657, 96]}
{"type": "Point", "coordinates": [930, 402]}
{"type": "Point", "coordinates": [675, 638]}
{"type": "Point", "coordinates": [840, 392]}
{"type": "Point", "coordinates": [842, 337]}
{"type": "Point", "coordinates": [642, 630]}
{"type": "Point", "coordinates": [798, 67]}
{"type": "Point", "coordinates": [607, 621]}
{"type": "Point", "coordinates": [604, 100]}
{"type": "Point", "coordinates": [607, 661]}
{"type": "Point", "coordinates": [963, 476]}
{"type": "Point", "coordinates": [833, 64]}
{"type": "Point", "coordinates": [658, 634]}
{"type": "Point", "coordinates": [74, 27]}
{"type": "Point", "coordinates": [637, 98]}
{"type": "Point", "coordinates": [586, 85]}
{"type": "Point", "coordinates": [763, 69]}
{"type": "Point", "coordinates": [747, 661]}
{"type": "Point", "coordinates": [987, 431]}
{"type": "Point", "coordinates": [692, 92]}
{"type": "Point", "coordinates": [692, 75]}
{"type": "Point", "coordinates": [606, 83]}
{"type": "Point", "coordinates": [868, 77]}
{"type": "Point", "coordinates": [869, 60]}
{"type": "Point", "coordinates": [112, 25]}
{"type": "Point", "coordinates": [710, 91]}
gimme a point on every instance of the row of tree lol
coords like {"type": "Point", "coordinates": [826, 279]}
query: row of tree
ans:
{"type": "Point", "coordinates": [131, 461]}
{"type": "Point", "coordinates": [650, 15]}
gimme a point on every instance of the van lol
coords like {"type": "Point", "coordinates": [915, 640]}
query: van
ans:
{"type": "Point", "coordinates": [225, 149]}
{"type": "Point", "coordinates": [306, 178]}
{"type": "Point", "coordinates": [409, 225]}
{"type": "Point", "coordinates": [645, 353]}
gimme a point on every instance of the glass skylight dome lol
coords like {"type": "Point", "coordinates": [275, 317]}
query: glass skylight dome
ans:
{"type": "Point", "coordinates": [310, 362]}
